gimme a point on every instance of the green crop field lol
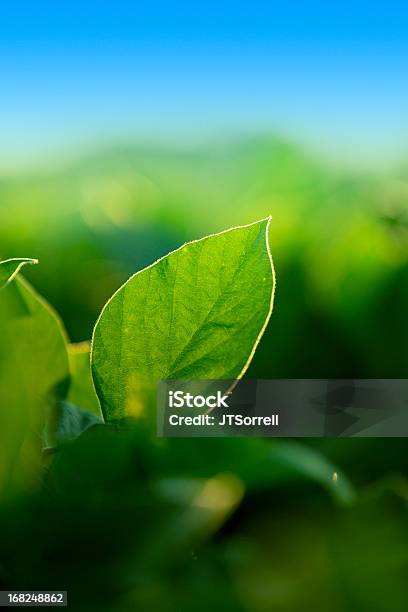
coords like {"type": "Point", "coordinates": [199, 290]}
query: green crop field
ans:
{"type": "Point", "coordinates": [91, 501]}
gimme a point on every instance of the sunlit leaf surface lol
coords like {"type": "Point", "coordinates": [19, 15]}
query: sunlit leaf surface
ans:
{"type": "Point", "coordinates": [197, 313]}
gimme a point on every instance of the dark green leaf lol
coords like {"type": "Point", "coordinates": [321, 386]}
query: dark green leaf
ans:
{"type": "Point", "coordinates": [67, 423]}
{"type": "Point", "coordinates": [81, 391]}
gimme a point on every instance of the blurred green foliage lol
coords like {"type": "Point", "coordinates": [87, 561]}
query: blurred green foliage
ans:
{"type": "Point", "coordinates": [122, 522]}
{"type": "Point", "coordinates": [33, 374]}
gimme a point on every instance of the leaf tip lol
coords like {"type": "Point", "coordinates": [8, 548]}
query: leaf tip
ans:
{"type": "Point", "coordinates": [266, 221]}
{"type": "Point", "coordinates": [13, 267]}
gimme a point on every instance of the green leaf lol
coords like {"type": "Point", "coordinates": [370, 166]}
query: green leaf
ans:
{"type": "Point", "coordinates": [258, 463]}
{"type": "Point", "coordinates": [33, 374]}
{"type": "Point", "coordinates": [9, 268]}
{"type": "Point", "coordinates": [197, 313]}
{"type": "Point", "coordinates": [81, 390]}
{"type": "Point", "coordinates": [67, 423]}
{"type": "Point", "coordinates": [308, 463]}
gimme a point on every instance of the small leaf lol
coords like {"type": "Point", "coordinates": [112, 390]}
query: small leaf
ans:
{"type": "Point", "coordinates": [308, 463]}
{"type": "Point", "coordinates": [81, 390]}
{"type": "Point", "coordinates": [197, 313]}
{"type": "Point", "coordinates": [9, 268]}
{"type": "Point", "coordinates": [258, 463]}
{"type": "Point", "coordinates": [67, 423]}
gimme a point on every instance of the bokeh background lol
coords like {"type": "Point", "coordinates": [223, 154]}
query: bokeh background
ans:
{"type": "Point", "coordinates": [127, 129]}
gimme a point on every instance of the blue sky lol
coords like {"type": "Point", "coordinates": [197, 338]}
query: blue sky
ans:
{"type": "Point", "coordinates": [332, 75]}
